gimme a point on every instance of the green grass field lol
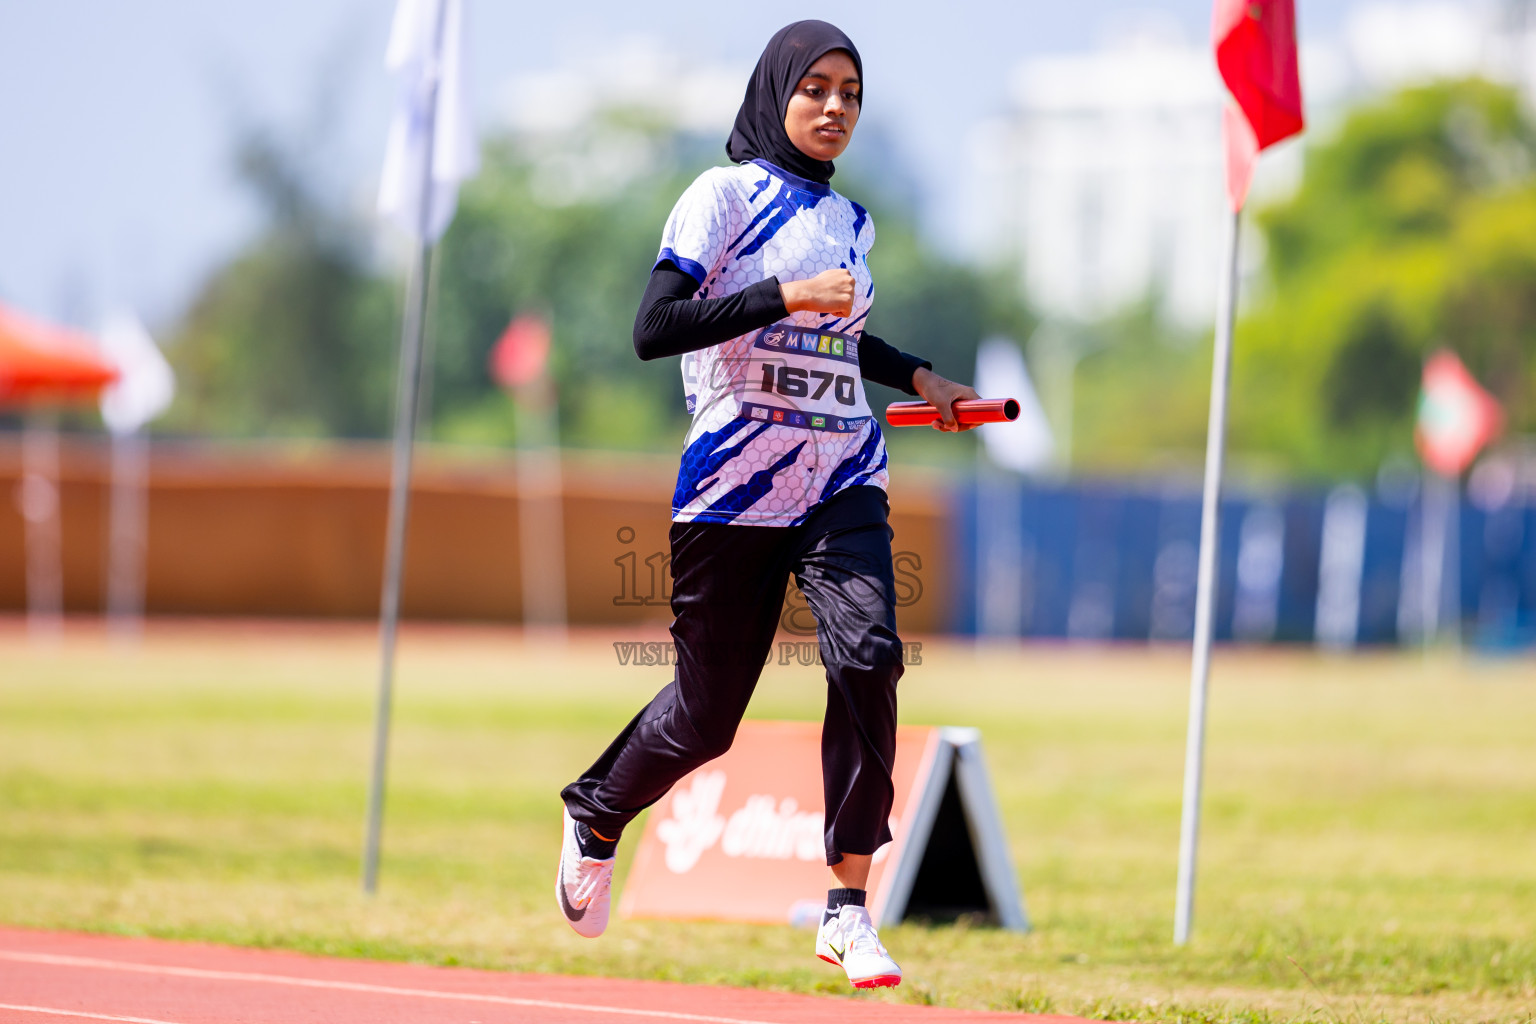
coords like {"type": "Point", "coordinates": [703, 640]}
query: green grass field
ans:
{"type": "Point", "coordinates": [1369, 850]}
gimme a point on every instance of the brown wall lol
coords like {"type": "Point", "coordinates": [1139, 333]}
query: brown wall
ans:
{"type": "Point", "coordinates": [240, 530]}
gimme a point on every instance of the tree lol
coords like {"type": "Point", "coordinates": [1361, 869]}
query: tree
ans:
{"type": "Point", "coordinates": [1415, 227]}
{"type": "Point", "coordinates": [295, 336]}
{"type": "Point", "coordinates": [530, 237]}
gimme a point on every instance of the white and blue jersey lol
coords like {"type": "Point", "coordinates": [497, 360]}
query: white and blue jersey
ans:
{"type": "Point", "coordinates": [780, 420]}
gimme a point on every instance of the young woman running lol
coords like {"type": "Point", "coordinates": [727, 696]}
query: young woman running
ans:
{"type": "Point", "coordinates": [762, 286]}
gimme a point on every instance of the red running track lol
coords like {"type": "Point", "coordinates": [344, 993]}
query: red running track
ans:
{"type": "Point", "coordinates": [55, 978]}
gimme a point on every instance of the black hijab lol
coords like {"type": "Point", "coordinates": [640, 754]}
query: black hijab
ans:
{"type": "Point", "coordinates": [759, 129]}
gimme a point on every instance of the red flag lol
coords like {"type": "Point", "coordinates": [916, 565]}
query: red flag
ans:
{"type": "Point", "coordinates": [520, 356]}
{"type": "Point", "coordinates": [1256, 54]}
{"type": "Point", "coordinates": [1457, 418]}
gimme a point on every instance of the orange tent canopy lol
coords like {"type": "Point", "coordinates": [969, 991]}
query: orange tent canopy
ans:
{"type": "Point", "coordinates": [40, 363]}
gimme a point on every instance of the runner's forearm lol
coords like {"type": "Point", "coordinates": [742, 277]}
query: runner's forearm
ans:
{"type": "Point", "coordinates": [883, 363]}
{"type": "Point", "coordinates": [671, 321]}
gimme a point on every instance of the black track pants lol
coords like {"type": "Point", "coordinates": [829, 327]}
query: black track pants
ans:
{"type": "Point", "coordinates": [727, 594]}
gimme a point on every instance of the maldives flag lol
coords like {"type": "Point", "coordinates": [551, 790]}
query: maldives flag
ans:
{"type": "Point", "coordinates": [1457, 418]}
{"type": "Point", "coordinates": [1256, 54]}
{"type": "Point", "coordinates": [522, 354]}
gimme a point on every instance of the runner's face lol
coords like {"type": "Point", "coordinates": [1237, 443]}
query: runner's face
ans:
{"type": "Point", "coordinates": [824, 108]}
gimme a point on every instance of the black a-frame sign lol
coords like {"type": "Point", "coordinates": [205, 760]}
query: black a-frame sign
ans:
{"type": "Point", "coordinates": [956, 859]}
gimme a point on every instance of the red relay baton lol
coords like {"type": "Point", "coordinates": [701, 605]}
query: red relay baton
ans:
{"type": "Point", "coordinates": [969, 410]}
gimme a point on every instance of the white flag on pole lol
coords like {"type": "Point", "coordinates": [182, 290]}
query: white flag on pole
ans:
{"type": "Point", "coordinates": [146, 384]}
{"type": "Point", "coordinates": [426, 55]}
{"type": "Point", "coordinates": [1026, 444]}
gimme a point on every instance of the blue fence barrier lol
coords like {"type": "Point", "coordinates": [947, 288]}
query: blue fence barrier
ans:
{"type": "Point", "coordinates": [1104, 561]}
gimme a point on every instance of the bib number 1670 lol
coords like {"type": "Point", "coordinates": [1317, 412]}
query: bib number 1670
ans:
{"type": "Point", "coordinates": [794, 382]}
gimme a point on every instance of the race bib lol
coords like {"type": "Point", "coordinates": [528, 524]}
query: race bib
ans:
{"type": "Point", "coordinates": [803, 377]}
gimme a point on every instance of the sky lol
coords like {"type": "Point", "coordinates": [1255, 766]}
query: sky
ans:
{"type": "Point", "coordinates": [118, 119]}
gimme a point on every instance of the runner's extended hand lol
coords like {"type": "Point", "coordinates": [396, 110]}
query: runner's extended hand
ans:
{"type": "Point", "coordinates": [941, 394]}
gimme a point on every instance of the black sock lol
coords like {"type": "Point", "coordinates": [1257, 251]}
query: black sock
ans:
{"type": "Point", "coordinates": [837, 899]}
{"type": "Point", "coordinates": [595, 847]}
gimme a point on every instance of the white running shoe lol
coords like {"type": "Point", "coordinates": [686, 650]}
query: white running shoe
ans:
{"type": "Point", "coordinates": [849, 941]}
{"type": "Point", "coordinates": [582, 885]}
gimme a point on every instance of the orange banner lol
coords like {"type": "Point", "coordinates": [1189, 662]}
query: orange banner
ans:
{"type": "Point", "coordinates": [740, 839]}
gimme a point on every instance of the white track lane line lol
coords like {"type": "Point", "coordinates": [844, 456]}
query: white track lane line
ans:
{"type": "Point", "coordinates": [356, 986]}
{"type": "Point", "coordinates": [78, 1013]}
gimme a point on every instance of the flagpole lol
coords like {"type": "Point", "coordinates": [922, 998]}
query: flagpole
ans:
{"type": "Point", "coordinates": [1433, 513]}
{"type": "Point", "coordinates": [407, 404]}
{"type": "Point", "coordinates": [407, 409]}
{"type": "Point", "coordinates": [39, 495]}
{"type": "Point", "coordinates": [1205, 595]}
{"type": "Point", "coordinates": [127, 533]}
{"type": "Point", "coordinates": [541, 519]}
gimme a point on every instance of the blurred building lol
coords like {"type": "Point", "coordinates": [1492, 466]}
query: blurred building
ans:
{"type": "Point", "coordinates": [641, 106]}
{"type": "Point", "coordinates": [618, 114]}
{"type": "Point", "coordinates": [1103, 178]}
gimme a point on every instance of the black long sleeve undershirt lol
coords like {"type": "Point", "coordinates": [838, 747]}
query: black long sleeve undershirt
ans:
{"type": "Point", "coordinates": [670, 322]}
{"type": "Point", "coordinates": [886, 364]}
